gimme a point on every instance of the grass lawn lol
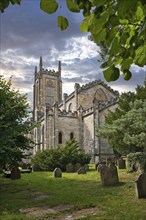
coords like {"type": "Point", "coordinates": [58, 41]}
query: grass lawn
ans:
{"type": "Point", "coordinates": [70, 197]}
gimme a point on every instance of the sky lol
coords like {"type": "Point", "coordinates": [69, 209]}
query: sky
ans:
{"type": "Point", "coordinates": [26, 33]}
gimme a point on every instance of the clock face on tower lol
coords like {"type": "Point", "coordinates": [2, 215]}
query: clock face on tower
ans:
{"type": "Point", "coordinates": [100, 95]}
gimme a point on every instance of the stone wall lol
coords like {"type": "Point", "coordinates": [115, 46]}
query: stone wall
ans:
{"type": "Point", "coordinates": [68, 125]}
{"type": "Point", "coordinates": [105, 149]}
{"type": "Point", "coordinates": [85, 97]}
{"type": "Point", "coordinates": [88, 134]}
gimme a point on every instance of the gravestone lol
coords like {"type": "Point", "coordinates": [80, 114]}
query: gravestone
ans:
{"type": "Point", "coordinates": [86, 167]}
{"type": "Point", "coordinates": [108, 175]}
{"type": "Point", "coordinates": [140, 186]}
{"type": "Point", "coordinates": [15, 173]}
{"type": "Point", "coordinates": [121, 163]}
{"type": "Point", "coordinates": [24, 166]}
{"type": "Point", "coordinates": [77, 166]}
{"type": "Point", "coordinates": [70, 168]}
{"type": "Point", "coordinates": [81, 170]}
{"type": "Point", "coordinates": [96, 165]}
{"type": "Point", "coordinates": [113, 177]}
{"type": "Point", "coordinates": [57, 172]}
{"type": "Point", "coordinates": [108, 161]}
{"type": "Point", "coordinates": [99, 166]}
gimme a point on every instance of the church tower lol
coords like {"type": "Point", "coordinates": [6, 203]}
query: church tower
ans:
{"type": "Point", "coordinates": [47, 87]}
{"type": "Point", "coordinates": [47, 91]}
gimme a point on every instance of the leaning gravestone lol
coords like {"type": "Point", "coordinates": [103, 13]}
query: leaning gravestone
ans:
{"type": "Point", "coordinates": [108, 175]}
{"type": "Point", "coordinates": [70, 168]}
{"type": "Point", "coordinates": [57, 172]}
{"type": "Point", "coordinates": [77, 166]}
{"type": "Point", "coordinates": [81, 170]}
{"type": "Point", "coordinates": [15, 173]}
{"type": "Point", "coordinates": [121, 164]}
{"type": "Point", "coordinates": [140, 186]}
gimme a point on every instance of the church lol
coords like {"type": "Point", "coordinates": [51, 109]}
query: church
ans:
{"type": "Point", "coordinates": [77, 115]}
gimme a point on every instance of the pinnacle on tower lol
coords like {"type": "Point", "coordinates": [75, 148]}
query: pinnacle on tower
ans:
{"type": "Point", "coordinates": [59, 67]}
{"type": "Point", "coordinates": [41, 63]}
{"type": "Point", "coordinates": [35, 71]}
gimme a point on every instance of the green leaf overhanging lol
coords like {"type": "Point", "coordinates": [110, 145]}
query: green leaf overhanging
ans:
{"type": "Point", "coordinates": [49, 6]}
{"type": "Point", "coordinates": [62, 23]}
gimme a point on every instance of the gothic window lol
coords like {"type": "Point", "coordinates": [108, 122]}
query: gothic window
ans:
{"type": "Point", "coordinates": [100, 95]}
{"type": "Point", "coordinates": [70, 107]}
{"type": "Point", "coordinates": [60, 138]}
{"type": "Point", "coordinates": [71, 135]}
{"type": "Point", "coordinates": [49, 95]}
{"type": "Point", "coordinates": [50, 91]}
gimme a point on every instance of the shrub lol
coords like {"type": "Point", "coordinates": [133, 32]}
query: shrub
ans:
{"type": "Point", "coordinates": [137, 160]}
{"type": "Point", "coordinates": [48, 160]}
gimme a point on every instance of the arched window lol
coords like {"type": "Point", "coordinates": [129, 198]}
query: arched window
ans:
{"type": "Point", "coordinates": [60, 138]}
{"type": "Point", "coordinates": [71, 135]}
{"type": "Point", "coordinates": [100, 95]}
{"type": "Point", "coordinates": [70, 108]}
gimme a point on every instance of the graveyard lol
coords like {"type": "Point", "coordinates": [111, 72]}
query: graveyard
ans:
{"type": "Point", "coordinates": [41, 196]}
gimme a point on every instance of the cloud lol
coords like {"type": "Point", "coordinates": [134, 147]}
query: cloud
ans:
{"type": "Point", "coordinates": [28, 33]}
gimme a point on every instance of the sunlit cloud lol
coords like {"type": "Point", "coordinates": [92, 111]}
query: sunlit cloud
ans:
{"type": "Point", "coordinates": [27, 34]}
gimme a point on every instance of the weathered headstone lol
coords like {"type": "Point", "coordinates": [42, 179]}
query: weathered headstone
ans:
{"type": "Point", "coordinates": [121, 164]}
{"type": "Point", "coordinates": [108, 175]}
{"type": "Point", "coordinates": [99, 166]}
{"type": "Point", "coordinates": [108, 161]}
{"type": "Point", "coordinates": [140, 186]}
{"type": "Point", "coordinates": [70, 168]}
{"type": "Point", "coordinates": [114, 179]}
{"type": "Point", "coordinates": [77, 166]}
{"type": "Point", "coordinates": [24, 166]}
{"type": "Point", "coordinates": [96, 165]}
{"type": "Point", "coordinates": [86, 167]}
{"type": "Point", "coordinates": [57, 172]}
{"type": "Point", "coordinates": [15, 173]}
{"type": "Point", "coordinates": [81, 170]}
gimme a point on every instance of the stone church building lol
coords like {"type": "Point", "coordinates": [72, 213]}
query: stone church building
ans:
{"type": "Point", "coordinates": [77, 115]}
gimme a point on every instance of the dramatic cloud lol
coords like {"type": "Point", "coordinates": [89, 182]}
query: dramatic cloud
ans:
{"type": "Point", "coordinates": [28, 33]}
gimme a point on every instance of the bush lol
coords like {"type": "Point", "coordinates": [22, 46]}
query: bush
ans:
{"type": "Point", "coordinates": [137, 160]}
{"type": "Point", "coordinates": [48, 160]}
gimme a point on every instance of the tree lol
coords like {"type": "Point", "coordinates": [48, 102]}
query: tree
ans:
{"type": "Point", "coordinates": [124, 100]}
{"type": "Point", "coordinates": [15, 125]}
{"type": "Point", "coordinates": [128, 133]}
{"type": "Point", "coordinates": [118, 27]}
{"type": "Point", "coordinates": [120, 125]}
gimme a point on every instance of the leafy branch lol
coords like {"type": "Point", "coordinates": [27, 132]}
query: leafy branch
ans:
{"type": "Point", "coordinates": [119, 25]}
